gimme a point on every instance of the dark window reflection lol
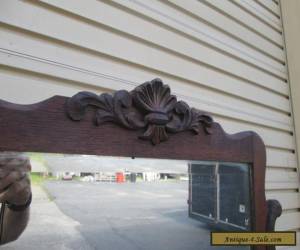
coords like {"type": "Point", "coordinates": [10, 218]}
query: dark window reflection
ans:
{"type": "Point", "coordinates": [203, 191]}
{"type": "Point", "coordinates": [220, 195]}
{"type": "Point", "coordinates": [234, 195]}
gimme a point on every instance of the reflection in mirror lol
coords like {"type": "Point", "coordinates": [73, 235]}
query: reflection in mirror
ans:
{"type": "Point", "coordinates": [220, 195]}
{"type": "Point", "coordinates": [97, 202]}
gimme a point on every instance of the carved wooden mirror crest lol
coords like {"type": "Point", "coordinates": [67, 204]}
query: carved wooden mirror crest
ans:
{"type": "Point", "coordinates": [149, 106]}
{"type": "Point", "coordinates": [125, 122]}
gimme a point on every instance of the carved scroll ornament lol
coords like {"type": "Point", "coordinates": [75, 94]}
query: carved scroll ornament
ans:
{"type": "Point", "coordinates": [149, 106]}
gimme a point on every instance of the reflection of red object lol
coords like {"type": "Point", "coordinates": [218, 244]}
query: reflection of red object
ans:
{"type": "Point", "coordinates": [120, 177]}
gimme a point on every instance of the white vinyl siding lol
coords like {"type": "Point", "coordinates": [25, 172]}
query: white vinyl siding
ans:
{"type": "Point", "coordinates": [225, 57]}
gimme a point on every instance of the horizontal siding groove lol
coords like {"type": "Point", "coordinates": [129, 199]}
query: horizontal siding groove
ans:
{"type": "Point", "coordinates": [82, 84]}
{"type": "Point", "coordinates": [268, 135]}
{"type": "Point", "coordinates": [234, 109]}
{"type": "Point", "coordinates": [264, 48]}
{"type": "Point", "coordinates": [264, 13]}
{"type": "Point", "coordinates": [285, 169]}
{"type": "Point", "coordinates": [294, 167]}
{"type": "Point", "coordinates": [171, 22]}
{"type": "Point", "coordinates": [247, 113]}
{"type": "Point", "coordinates": [284, 191]}
{"type": "Point", "coordinates": [187, 12]}
{"type": "Point", "coordinates": [198, 101]}
{"type": "Point", "coordinates": [279, 158]}
{"type": "Point", "coordinates": [69, 67]}
{"type": "Point", "coordinates": [254, 10]}
{"type": "Point", "coordinates": [176, 52]}
{"type": "Point", "coordinates": [270, 6]}
{"type": "Point", "coordinates": [281, 185]}
{"type": "Point", "coordinates": [217, 6]}
{"type": "Point", "coordinates": [290, 150]}
{"type": "Point", "coordinates": [274, 72]}
{"type": "Point", "coordinates": [211, 40]}
{"type": "Point", "coordinates": [70, 45]}
{"type": "Point", "coordinates": [157, 69]}
{"type": "Point", "coordinates": [57, 63]}
{"type": "Point", "coordinates": [283, 225]}
{"type": "Point", "coordinates": [282, 175]}
{"type": "Point", "coordinates": [287, 163]}
{"type": "Point", "coordinates": [290, 210]}
{"type": "Point", "coordinates": [290, 200]}
{"type": "Point", "coordinates": [85, 86]}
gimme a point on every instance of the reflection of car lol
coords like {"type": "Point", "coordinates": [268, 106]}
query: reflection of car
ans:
{"type": "Point", "coordinates": [67, 176]}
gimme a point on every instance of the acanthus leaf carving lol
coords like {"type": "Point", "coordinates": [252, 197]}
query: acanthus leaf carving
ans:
{"type": "Point", "coordinates": [149, 106]}
{"type": "Point", "coordinates": [109, 108]}
{"type": "Point", "coordinates": [186, 118]}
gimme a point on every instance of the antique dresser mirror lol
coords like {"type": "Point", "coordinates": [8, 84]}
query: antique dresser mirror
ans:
{"type": "Point", "coordinates": [226, 172]}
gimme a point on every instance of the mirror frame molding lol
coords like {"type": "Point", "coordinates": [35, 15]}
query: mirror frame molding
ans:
{"type": "Point", "coordinates": [146, 122]}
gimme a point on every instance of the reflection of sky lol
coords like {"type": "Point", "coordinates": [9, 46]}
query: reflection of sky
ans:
{"type": "Point", "coordinates": [90, 163]}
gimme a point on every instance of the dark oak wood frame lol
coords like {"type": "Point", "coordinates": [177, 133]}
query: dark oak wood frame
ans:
{"type": "Point", "coordinates": [124, 124]}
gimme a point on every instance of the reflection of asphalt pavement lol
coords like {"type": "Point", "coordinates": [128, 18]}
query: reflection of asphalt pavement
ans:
{"type": "Point", "coordinates": [110, 216]}
{"type": "Point", "coordinates": [48, 228]}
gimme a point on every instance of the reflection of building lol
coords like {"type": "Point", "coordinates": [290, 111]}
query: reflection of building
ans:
{"type": "Point", "coordinates": [151, 176]}
{"type": "Point", "coordinates": [226, 57]}
{"type": "Point", "coordinates": [95, 168]}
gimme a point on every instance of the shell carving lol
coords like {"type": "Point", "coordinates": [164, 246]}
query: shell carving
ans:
{"type": "Point", "coordinates": [149, 106]}
{"type": "Point", "coordinates": [155, 100]}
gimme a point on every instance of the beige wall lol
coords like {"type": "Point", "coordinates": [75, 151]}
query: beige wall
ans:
{"type": "Point", "coordinates": [291, 24]}
{"type": "Point", "coordinates": [290, 12]}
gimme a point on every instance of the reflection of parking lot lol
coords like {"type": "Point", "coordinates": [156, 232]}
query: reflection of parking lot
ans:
{"type": "Point", "coordinates": [113, 216]}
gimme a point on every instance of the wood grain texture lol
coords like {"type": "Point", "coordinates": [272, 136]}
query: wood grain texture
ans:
{"type": "Point", "coordinates": [47, 127]}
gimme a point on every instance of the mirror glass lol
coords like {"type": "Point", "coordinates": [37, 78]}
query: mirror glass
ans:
{"type": "Point", "coordinates": [98, 202]}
